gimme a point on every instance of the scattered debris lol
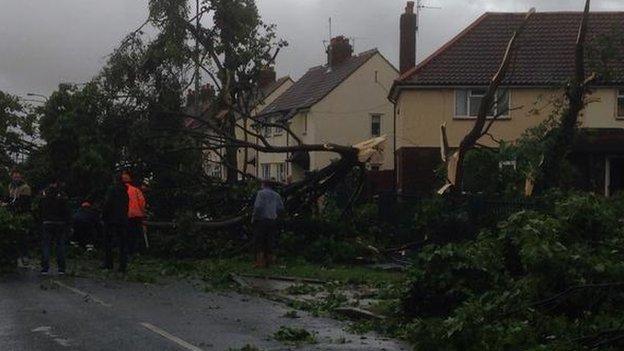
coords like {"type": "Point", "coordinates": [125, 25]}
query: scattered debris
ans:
{"type": "Point", "coordinates": [294, 336]}
{"type": "Point", "coordinates": [357, 313]}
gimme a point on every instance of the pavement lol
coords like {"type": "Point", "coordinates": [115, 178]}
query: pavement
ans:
{"type": "Point", "coordinates": [69, 313]}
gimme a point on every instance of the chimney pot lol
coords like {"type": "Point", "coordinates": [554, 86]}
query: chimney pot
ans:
{"type": "Point", "coordinates": [410, 7]}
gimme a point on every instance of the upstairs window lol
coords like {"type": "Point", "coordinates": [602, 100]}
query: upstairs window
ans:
{"type": "Point", "coordinates": [468, 102]}
{"type": "Point", "coordinates": [620, 103]}
{"type": "Point", "coordinates": [376, 125]}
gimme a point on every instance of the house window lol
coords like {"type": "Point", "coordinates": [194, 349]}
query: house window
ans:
{"type": "Point", "coordinates": [468, 102]}
{"type": "Point", "coordinates": [277, 131]}
{"type": "Point", "coordinates": [266, 130]}
{"type": "Point", "coordinates": [266, 171]}
{"type": "Point", "coordinates": [281, 172]}
{"type": "Point", "coordinates": [620, 103]}
{"type": "Point", "coordinates": [376, 125]}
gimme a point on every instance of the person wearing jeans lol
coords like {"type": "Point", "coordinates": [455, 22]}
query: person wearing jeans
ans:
{"type": "Point", "coordinates": [55, 217]}
{"type": "Point", "coordinates": [53, 231]}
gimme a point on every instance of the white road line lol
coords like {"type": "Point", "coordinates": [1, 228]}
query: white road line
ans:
{"type": "Point", "coordinates": [170, 337]}
{"type": "Point", "coordinates": [82, 293]}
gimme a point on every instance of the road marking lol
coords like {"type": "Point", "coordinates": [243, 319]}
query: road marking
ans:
{"type": "Point", "coordinates": [82, 293]}
{"type": "Point", "coordinates": [47, 331]}
{"type": "Point", "coordinates": [170, 337]}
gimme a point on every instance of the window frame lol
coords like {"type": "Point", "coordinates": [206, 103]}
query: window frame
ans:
{"type": "Point", "coordinates": [265, 167]}
{"type": "Point", "coordinates": [469, 93]}
{"type": "Point", "coordinates": [280, 173]}
{"type": "Point", "coordinates": [372, 123]}
{"type": "Point", "coordinates": [619, 97]}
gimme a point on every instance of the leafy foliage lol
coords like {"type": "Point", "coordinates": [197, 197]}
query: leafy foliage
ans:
{"type": "Point", "coordinates": [13, 228]}
{"type": "Point", "coordinates": [540, 280]}
{"type": "Point", "coordinates": [294, 336]}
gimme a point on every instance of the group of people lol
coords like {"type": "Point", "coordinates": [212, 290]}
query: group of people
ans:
{"type": "Point", "coordinates": [121, 221]}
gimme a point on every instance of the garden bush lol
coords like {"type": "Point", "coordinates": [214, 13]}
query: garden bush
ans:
{"type": "Point", "coordinates": [12, 230]}
{"type": "Point", "coordinates": [538, 281]}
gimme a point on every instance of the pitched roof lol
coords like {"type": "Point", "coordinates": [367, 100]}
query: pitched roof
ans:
{"type": "Point", "coordinates": [545, 54]}
{"type": "Point", "coordinates": [317, 83]}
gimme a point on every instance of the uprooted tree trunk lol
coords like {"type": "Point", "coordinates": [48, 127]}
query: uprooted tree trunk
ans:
{"type": "Point", "coordinates": [481, 127]}
{"type": "Point", "coordinates": [563, 137]}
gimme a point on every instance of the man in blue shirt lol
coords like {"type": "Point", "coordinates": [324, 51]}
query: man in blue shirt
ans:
{"type": "Point", "coordinates": [267, 207]}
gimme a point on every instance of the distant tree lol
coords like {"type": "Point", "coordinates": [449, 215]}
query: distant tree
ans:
{"type": "Point", "coordinates": [17, 129]}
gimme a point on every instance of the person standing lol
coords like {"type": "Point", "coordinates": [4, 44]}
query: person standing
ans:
{"type": "Point", "coordinates": [115, 217]}
{"type": "Point", "coordinates": [87, 225]}
{"type": "Point", "coordinates": [19, 203]}
{"type": "Point", "coordinates": [136, 213]}
{"type": "Point", "coordinates": [267, 207]}
{"type": "Point", "coordinates": [55, 216]}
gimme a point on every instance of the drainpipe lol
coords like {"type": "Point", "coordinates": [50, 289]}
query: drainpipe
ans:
{"type": "Point", "coordinates": [394, 151]}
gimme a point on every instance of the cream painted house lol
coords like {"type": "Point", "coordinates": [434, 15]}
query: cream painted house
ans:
{"type": "Point", "coordinates": [446, 88]}
{"type": "Point", "coordinates": [270, 88]}
{"type": "Point", "coordinates": [343, 102]}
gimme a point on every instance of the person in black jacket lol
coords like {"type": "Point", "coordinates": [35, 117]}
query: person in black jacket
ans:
{"type": "Point", "coordinates": [115, 217]}
{"type": "Point", "coordinates": [55, 216]}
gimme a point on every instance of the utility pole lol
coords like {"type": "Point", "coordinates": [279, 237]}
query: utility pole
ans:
{"type": "Point", "coordinates": [197, 58]}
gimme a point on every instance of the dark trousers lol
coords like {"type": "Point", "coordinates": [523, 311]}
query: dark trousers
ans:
{"type": "Point", "coordinates": [85, 233]}
{"type": "Point", "coordinates": [116, 232]}
{"type": "Point", "coordinates": [135, 235]}
{"type": "Point", "coordinates": [56, 231]}
{"type": "Point", "coordinates": [265, 236]}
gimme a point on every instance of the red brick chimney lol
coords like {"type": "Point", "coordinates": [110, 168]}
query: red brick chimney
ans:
{"type": "Point", "coordinates": [267, 76]}
{"type": "Point", "coordinates": [339, 51]}
{"type": "Point", "coordinates": [408, 38]}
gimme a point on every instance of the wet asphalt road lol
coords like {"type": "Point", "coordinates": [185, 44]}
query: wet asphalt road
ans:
{"type": "Point", "coordinates": [63, 313]}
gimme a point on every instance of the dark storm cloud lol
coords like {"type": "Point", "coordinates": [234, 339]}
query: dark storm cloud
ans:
{"type": "Point", "coordinates": [44, 42]}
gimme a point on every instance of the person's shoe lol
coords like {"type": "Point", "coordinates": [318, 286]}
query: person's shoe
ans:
{"type": "Point", "coordinates": [45, 271]}
{"type": "Point", "coordinates": [61, 272]}
{"type": "Point", "coordinates": [20, 263]}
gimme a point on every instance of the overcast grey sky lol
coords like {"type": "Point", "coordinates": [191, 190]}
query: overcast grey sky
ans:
{"type": "Point", "coordinates": [45, 42]}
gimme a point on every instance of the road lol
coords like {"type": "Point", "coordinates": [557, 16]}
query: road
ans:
{"type": "Point", "coordinates": [66, 313]}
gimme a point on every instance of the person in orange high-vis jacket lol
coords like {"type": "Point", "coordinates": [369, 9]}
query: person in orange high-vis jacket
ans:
{"type": "Point", "coordinates": [136, 213]}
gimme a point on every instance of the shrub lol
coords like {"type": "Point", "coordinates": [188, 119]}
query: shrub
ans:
{"type": "Point", "coordinates": [12, 230]}
{"type": "Point", "coordinates": [538, 281]}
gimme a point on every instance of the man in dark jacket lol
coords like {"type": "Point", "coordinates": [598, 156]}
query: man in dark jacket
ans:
{"type": "Point", "coordinates": [55, 216]}
{"type": "Point", "coordinates": [115, 217]}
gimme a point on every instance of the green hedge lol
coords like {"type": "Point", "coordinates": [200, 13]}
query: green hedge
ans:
{"type": "Point", "coordinates": [13, 229]}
